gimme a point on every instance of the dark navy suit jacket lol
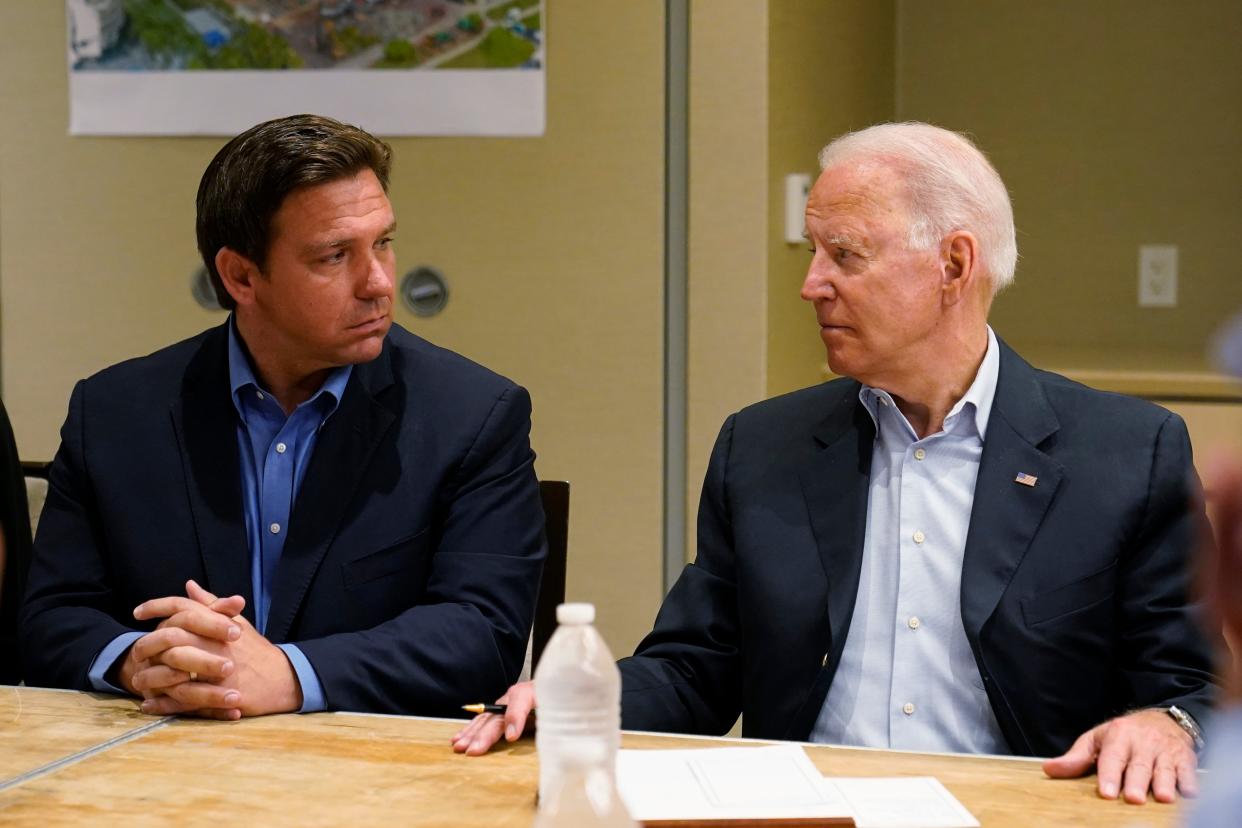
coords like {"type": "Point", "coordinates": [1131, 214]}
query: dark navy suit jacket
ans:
{"type": "Point", "coordinates": [415, 546]}
{"type": "Point", "coordinates": [1074, 590]}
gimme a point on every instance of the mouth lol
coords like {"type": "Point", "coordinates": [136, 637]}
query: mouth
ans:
{"type": "Point", "coordinates": [370, 325]}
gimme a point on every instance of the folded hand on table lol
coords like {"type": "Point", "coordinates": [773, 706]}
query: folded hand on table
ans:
{"type": "Point", "coordinates": [205, 659]}
{"type": "Point", "coordinates": [485, 729]}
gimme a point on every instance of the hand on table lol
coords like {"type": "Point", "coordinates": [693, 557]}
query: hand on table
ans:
{"type": "Point", "coordinates": [1148, 748]}
{"type": "Point", "coordinates": [485, 729]}
{"type": "Point", "coordinates": [205, 659]}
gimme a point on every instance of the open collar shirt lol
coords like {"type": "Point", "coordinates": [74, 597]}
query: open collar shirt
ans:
{"type": "Point", "coordinates": [907, 678]}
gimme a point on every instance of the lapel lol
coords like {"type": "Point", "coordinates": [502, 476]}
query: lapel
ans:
{"type": "Point", "coordinates": [343, 452]}
{"type": "Point", "coordinates": [1006, 514]}
{"type": "Point", "coordinates": [835, 484]}
{"type": "Point", "coordinates": [206, 425]}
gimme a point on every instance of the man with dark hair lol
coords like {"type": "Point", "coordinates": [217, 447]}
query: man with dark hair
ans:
{"type": "Point", "coordinates": [306, 507]}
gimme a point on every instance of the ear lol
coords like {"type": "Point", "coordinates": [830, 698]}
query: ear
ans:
{"type": "Point", "coordinates": [959, 265]}
{"type": "Point", "coordinates": [238, 274]}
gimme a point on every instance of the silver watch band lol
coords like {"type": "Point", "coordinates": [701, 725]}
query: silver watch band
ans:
{"type": "Point", "coordinates": [1187, 723]}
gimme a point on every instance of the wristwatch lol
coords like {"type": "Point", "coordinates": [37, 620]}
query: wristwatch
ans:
{"type": "Point", "coordinates": [1187, 723]}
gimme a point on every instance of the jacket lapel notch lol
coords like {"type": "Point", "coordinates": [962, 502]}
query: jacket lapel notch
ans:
{"type": "Point", "coordinates": [836, 502]}
{"type": "Point", "coordinates": [1016, 485]}
{"type": "Point", "coordinates": [205, 422]}
{"type": "Point", "coordinates": [344, 450]}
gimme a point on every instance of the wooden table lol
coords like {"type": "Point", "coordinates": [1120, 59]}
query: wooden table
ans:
{"type": "Point", "coordinates": [76, 758]}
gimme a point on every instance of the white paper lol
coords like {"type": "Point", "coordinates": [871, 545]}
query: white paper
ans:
{"type": "Point", "coordinates": [725, 783]}
{"type": "Point", "coordinates": [900, 802]}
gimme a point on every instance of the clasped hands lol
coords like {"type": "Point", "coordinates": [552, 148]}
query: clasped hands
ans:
{"type": "Point", "coordinates": [205, 659]}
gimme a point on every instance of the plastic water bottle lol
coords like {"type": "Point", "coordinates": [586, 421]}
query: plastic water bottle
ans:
{"type": "Point", "coordinates": [584, 798]}
{"type": "Point", "coordinates": [578, 688]}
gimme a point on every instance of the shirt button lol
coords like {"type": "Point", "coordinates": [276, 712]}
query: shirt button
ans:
{"type": "Point", "coordinates": [280, 448]}
{"type": "Point", "coordinates": [919, 537]}
{"type": "Point", "coordinates": [913, 623]}
{"type": "Point", "coordinates": [919, 454]}
{"type": "Point", "coordinates": [275, 527]}
{"type": "Point", "coordinates": [259, 394]}
{"type": "Point", "coordinates": [908, 708]}
{"type": "Point", "coordinates": [883, 400]}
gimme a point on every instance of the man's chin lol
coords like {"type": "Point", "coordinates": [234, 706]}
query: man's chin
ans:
{"type": "Point", "coordinates": [366, 349]}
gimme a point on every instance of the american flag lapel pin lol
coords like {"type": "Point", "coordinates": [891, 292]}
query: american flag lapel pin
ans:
{"type": "Point", "coordinates": [1025, 479]}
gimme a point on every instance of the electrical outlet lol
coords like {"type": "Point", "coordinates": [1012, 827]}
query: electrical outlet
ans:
{"type": "Point", "coordinates": [1157, 276]}
{"type": "Point", "coordinates": [797, 188]}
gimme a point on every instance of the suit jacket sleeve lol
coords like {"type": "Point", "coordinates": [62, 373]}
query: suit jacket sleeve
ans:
{"type": "Point", "coordinates": [466, 638]}
{"type": "Point", "coordinates": [686, 675]}
{"type": "Point", "coordinates": [70, 610]}
{"type": "Point", "coordinates": [1163, 658]}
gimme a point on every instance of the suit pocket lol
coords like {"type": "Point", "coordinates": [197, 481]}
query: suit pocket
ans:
{"type": "Point", "coordinates": [405, 554]}
{"type": "Point", "coordinates": [1063, 600]}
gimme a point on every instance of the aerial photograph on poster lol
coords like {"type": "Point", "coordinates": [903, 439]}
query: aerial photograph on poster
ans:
{"type": "Point", "coordinates": [180, 35]}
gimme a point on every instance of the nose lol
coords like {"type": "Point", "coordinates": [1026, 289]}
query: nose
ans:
{"type": "Point", "coordinates": [380, 279]}
{"type": "Point", "coordinates": [818, 283]}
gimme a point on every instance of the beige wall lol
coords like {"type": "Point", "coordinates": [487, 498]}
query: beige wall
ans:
{"type": "Point", "coordinates": [757, 71]}
{"type": "Point", "coordinates": [830, 71]}
{"type": "Point", "coordinates": [728, 102]}
{"type": "Point", "coordinates": [1115, 123]}
{"type": "Point", "coordinates": [553, 247]}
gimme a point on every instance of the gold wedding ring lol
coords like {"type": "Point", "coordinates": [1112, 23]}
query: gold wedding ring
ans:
{"type": "Point", "coordinates": [193, 676]}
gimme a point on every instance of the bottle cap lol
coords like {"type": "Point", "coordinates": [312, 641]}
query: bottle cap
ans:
{"type": "Point", "coordinates": [575, 614]}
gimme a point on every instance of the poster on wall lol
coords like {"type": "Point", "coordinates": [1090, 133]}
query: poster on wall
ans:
{"type": "Point", "coordinates": [393, 67]}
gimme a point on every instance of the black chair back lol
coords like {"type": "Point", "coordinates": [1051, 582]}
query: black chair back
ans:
{"type": "Point", "coordinates": [555, 496]}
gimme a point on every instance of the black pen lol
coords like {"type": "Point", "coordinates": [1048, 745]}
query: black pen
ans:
{"type": "Point", "coordinates": [485, 708]}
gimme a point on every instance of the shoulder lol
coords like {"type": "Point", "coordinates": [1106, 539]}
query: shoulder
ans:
{"type": "Point", "coordinates": [801, 410]}
{"type": "Point", "coordinates": [1082, 407]}
{"type": "Point", "coordinates": [417, 361]}
{"type": "Point", "coordinates": [156, 374]}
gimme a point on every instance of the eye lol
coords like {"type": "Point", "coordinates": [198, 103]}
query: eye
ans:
{"type": "Point", "coordinates": [384, 243]}
{"type": "Point", "coordinates": [336, 255]}
{"type": "Point", "coordinates": [842, 254]}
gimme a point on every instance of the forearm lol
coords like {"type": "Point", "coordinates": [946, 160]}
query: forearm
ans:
{"type": "Point", "coordinates": [427, 661]}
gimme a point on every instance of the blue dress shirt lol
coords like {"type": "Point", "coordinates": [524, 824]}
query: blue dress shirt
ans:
{"type": "Point", "coordinates": [907, 678]}
{"type": "Point", "coordinates": [274, 452]}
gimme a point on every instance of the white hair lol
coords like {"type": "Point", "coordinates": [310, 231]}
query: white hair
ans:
{"type": "Point", "coordinates": [951, 186]}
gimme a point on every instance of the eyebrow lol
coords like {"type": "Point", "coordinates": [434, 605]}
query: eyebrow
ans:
{"type": "Point", "coordinates": [345, 242]}
{"type": "Point", "coordinates": [846, 240]}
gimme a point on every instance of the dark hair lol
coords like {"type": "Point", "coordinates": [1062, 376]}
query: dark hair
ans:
{"type": "Point", "coordinates": [245, 184]}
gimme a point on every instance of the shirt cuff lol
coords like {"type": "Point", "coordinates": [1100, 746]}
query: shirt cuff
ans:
{"type": "Point", "coordinates": [106, 658]}
{"type": "Point", "coordinates": [312, 690]}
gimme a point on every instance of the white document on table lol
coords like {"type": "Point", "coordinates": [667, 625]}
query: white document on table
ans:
{"type": "Point", "coordinates": [900, 802]}
{"type": "Point", "coordinates": [776, 782]}
{"type": "Point", "coordinates": [725, 783]}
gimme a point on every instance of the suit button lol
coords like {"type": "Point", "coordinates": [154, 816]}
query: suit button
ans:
{"type": "Point", "coordinates": [824, 661]}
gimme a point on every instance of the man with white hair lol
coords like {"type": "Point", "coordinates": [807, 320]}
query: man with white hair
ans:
{"type": "Point", "coordinates": [946, 549]}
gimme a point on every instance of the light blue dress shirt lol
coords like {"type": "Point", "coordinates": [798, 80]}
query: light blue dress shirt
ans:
{"type": "Point", "coordinates": [274, 452]}
{"type": "Point", "coordinates": [907, 678]}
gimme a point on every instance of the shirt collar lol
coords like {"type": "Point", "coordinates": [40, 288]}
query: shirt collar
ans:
{"type": "Point", "coordinates": [978, 396]}
{"type": "Point", "coordinates": [241, 377]}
